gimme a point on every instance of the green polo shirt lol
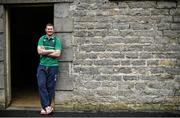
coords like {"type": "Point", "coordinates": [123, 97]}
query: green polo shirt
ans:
{"type": "Point", "coordinates": [52, 43]}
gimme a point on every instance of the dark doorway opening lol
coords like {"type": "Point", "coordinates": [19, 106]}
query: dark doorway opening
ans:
{"type": "Point", "coordinates": [27, 24]}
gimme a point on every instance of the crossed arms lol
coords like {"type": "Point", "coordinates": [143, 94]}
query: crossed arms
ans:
{"type": "Point", "coordinates": [52, 53]}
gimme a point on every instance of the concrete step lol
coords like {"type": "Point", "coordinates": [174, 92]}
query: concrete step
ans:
{"type": "Point", "coordinates": [35, 113]}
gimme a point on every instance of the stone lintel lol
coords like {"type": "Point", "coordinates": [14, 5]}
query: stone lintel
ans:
{"type": "Point", "coordinates": [34, 1]}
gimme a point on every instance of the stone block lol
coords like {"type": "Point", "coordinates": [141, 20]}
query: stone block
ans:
{"type": "Point", "coordinates": [116, 55]}
{"type": "Point", "coordinates": [91, 85]}
{"type": "Point", "coordinates": [66, 39]}
{"type": "Point", "coordinates": [175, 12]}
{"type": "Point", "coordinates": [1, 25]}
{"type": "Point", "coordinates": [63, 74]}
{"type": "Point", "coordinates": [157, 70]}
{"type": "Point", "coordinates": [175, 26]}
{"type": "Point", "coordinates": [137, 26]}
{"type": "Point", "coordinates": [177, 19]}
{"type": "Point", "coordinates": [138, 62]}
{"type": "Point", "coordinates": [61, 10]}
{"type": "Point", "coordinates": [133, 12]}
{"type": "Point", "coordinates": [152, 62]}
{"type": "Point", "coordinates": [125, 62]}
{"type": "Point", "coordinates": [1, 11]}
{"type": "Point", "coordinates": [64, 107]}
{"type": "Point", "coordinates": [164, 4]}
{"type": "Point", "coordinates": [89, 70]}
{"type": "Point", "coordinates": [90, 48]}
{"type": "Point", "coordinates": [135, 48]}
{"type": "Point", "coordinates": [108, 84]}
{"type": "Point", "coordinates": [159, 12]}
{"type": "Point", "coordinates": [116, 70]}
{"type": "Point", "coordinates": [2, 96]}
{"type": "Point", "coordinates": [1, 55]}
{"type": "Point", "coordinates": [2, 45]}
{"type": "Point", "coordinates": [2, 40]}
{"type": "Point", "coordinates": [120, 26]}
{"type": "Point", "coordinates": [83, 62]}
{"type": "Point", "coordinates": [162, 19]}
{"type": "Point", "coordinates": [172, 33]}
{"type": "Point", "coordinates": [129, 78]}
{"type": "Point", "coordinates": [178, 4]}
{"type": "Point", "coordinates": [63, 24]}
{"type": "Point", "coordinates": [161, 47]}
{"type": "Point", "coordinates": [142, 4]}
{"type": "Point", "coordinates": [64, 81]}
{"type": "Point", "coordinates": [105, 62]}
{"type": "Point", "coordinates": [1, 75]}
{"type": "Point", "coordinates": [147, 78]}
{"type": "Point", "coordinates": [113, 39]}
{"type": "Point", "coordinates": [64, 66]}
{"type": "Point", "coordinates": [33, 1]}
{"type": "Point", "coordinates": [102, 78]}
{"type": "Point", "coordinates": [163, 26]}
{"type": "Point", "coordinates": [63, 96]}
{"type": "Point", "coordinates": [145, 55]}
{"type": "Point", "coordinates": [82, 56]}
{"type": "Point", "coordinates": [64, 70]}
{"type": "Point", "coordinates": [66, 55]}
{"type": "Point", "coordinates": [64, 84]}
{"type": "Point", "coordinates": [131, 55]}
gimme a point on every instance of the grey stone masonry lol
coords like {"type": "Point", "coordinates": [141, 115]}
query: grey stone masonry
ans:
{"type": "Point", "coordinates": [1, 19]}
{"type": "Point", "coordinates": [1, 46]}
{"type": "Point", "coordinates": [2, 72]}
{"type": "Point", "coordinates": [1, 75]}
{"type": "Point", "coordinates": [32, 1]}
{"type": "Point", "coordinates": [2, 97]}
{"type": "Point", "coordinates": [64, 27]}
{"type": "Point", "coordinates": [126, 56]}
{"type": "Point", "coordinates": [63, 24]}
{"type": "Point", "coordinates": [117, 54]}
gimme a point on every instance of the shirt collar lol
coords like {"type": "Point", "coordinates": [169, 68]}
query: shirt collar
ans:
{"type": "Point", "coordinates": [49, 37]}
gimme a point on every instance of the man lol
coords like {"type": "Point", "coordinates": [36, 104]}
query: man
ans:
{"type": "Point", "coordinates": [49, 48]}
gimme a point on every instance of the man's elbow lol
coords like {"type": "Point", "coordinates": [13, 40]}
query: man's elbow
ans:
{"type": "Point", "coordinates": [39, 52]}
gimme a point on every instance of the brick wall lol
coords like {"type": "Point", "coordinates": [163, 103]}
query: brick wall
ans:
{"type": "Point", "coordinates": [126, 56]}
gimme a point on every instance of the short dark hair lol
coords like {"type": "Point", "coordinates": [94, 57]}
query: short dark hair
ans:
{"type": "Point", "coordinates": [49, 24]}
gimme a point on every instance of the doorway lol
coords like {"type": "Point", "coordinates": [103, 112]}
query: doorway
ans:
{"type": "Point", "coordinates": [27, 24]}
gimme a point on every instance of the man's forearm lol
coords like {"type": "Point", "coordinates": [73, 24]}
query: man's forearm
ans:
{"type": "Point", "coordinates": [54, 54]}
{"type": "Point", "coordinates": [45, 52]}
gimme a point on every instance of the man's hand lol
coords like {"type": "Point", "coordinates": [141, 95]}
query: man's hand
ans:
{"type": "Point", "coordinates": [42, 51]}
{"type": "Point", "coordinates": [56, 53]}
{"type": "Point", "coordinates": [51, 53]}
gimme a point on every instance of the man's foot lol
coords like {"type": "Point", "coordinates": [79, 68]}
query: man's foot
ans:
{"type": "Point", "coordinates": [43, 111]}
{"type": "Point", "coordinates": [47, 110]}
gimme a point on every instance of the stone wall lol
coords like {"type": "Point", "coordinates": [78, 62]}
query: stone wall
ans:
{"type": "Point", "coordinates": [125, 56]}
{"type": "Point", "coordinates": [2, 35]}
{"type": "Point", "coordinates": [118, 54]}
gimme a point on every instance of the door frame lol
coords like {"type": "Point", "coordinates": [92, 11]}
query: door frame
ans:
{"type": "Point", "coordinates": [60, 27]}
{"type": "Point", "coordinates": [7, 59]}
{"type": "Point", "coordinates": [8, 91]}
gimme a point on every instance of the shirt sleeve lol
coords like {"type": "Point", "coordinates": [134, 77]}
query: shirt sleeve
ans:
{"type": "Point", "coordinates": [58, 45]}
{"type": "Point", "coordinates": [40, 42]}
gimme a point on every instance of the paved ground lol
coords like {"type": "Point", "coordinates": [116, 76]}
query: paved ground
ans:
{"type": "Point", "coordinates": [35, 113]}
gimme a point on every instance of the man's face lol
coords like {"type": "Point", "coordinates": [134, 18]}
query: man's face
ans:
{"type": "Point", "coordinates": [49, 30]}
